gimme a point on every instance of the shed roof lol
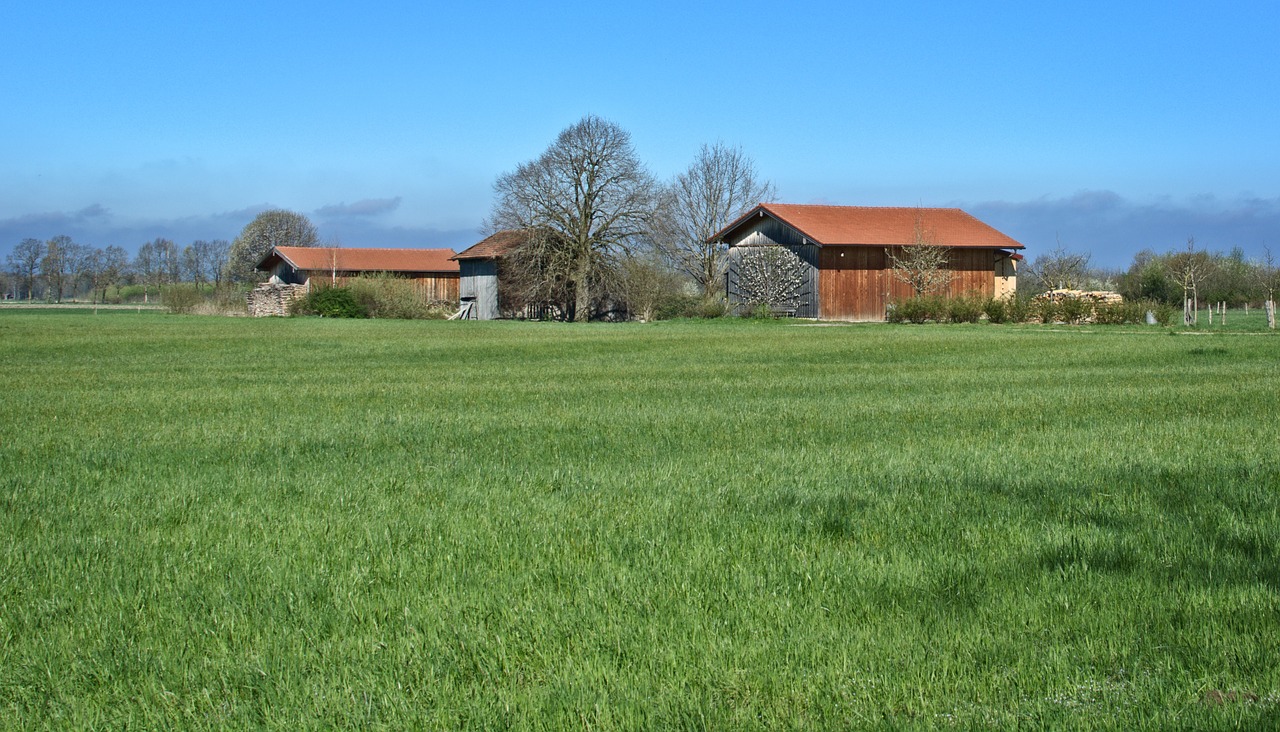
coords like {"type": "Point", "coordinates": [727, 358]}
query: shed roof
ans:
{"type": "Point", "coordinates": [362, 260]}
{"type": "Point", "coordinates": [878, 225]}
{"type": "Point", "coordinates": [495, 245]}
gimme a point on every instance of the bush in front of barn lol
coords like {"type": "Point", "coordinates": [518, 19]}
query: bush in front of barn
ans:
{"type": "Point", "coordinates": [388, 296]}
{"type": "Point", "coordinates": [996, 309]}
{"type": "Point", "coordinates": [964, 309]}
{"type": "Point", "coordinates": [330, 302]}
{"type": "Point", "coordinates": [918, 310]}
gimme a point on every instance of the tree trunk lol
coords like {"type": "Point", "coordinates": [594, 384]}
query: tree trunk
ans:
{"type": "Point", "coordinates": [581, 301]}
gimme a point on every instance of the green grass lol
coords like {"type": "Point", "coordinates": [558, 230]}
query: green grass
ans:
{"type": "Point", "coordinates": [211, 523]}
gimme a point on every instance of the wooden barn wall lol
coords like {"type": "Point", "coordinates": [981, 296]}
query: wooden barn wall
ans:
{"type": "Point", "coordinates": [857, 283]}
{"type": "Point", "coordinates": [443, 287]}
{"type": "Point", "coordinates": [771, 232]}
{"type": "Point", "coordinates": [479, 281]}
{"type": "Point", "coordinates": [431, 285]}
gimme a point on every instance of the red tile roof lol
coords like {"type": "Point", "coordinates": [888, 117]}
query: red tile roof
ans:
{"type": "Point", "coordinates": [879, 225]}
{"type": "Point", "coordinates": [365, 260]}
{"type": "Point", "coordinates": [494, 245]}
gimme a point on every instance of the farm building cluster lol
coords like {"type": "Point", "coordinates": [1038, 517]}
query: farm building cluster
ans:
{"type": "Point", "coordinates": [843, 261]}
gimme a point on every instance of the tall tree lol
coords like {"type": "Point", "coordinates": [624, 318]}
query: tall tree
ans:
{"type": "Point", "coordinates": [170, 262]}
{"type": "Point", "coordinates": [216, 256]}
{"type": "Point", "coordinates": [1148, 277]}
{"type": "Point", "coordinates": [587, 199]}
{"type": "Point", "coordinates": [274, 228]}
{"type": "Point", "coordinates": [24, 263]}
{"type": "Point", "coordinates": [89, 270]}
{"type": "Point", "coordinates": [148, 265]}
{"type": "Point", "coordinates": [720, 185]}
{"type": "Point", "coordinates": [57, 266]}
{"type": "Point", "coordinates": [115, 267]}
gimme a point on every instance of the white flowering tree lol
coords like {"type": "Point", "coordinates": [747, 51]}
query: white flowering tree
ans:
{"type": "Point", "coordinates": [771, 276]}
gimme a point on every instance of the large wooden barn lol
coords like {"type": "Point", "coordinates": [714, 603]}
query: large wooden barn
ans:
{"type": "Point", "coordinates": [845, 249]}
{"type": "Point", "coordinates": [433, 271]}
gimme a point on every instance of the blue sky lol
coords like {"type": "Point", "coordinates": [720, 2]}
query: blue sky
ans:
{"type": "Point", "coordinates": [1106, 127]}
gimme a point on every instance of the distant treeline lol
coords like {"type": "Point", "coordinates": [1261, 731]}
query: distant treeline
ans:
{"type": "Point", "coordinates": [61, 269]}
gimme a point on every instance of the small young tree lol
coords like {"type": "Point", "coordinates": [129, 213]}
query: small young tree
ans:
{"type": "Point", "coordinates": [1189, 268]}
{"type": "Point", "coordinates": [771, 276]}
{"type": "Point", "coordinates": [921, 264]}
{"type": "Point", "coordinates": [1268, 278]}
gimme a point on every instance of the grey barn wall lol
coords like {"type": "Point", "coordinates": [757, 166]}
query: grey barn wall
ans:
{"type": "Point", "coordinates": [768, 231]}
{"type": "Point", "coordinates": [479, 281]}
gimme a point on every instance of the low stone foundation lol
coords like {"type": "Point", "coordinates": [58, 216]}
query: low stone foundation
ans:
{"type": "Point", "coordinates": [272, 299]}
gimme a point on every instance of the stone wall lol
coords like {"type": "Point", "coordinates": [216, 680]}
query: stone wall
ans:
{"type": "Point", "coordinates": [273, 299]}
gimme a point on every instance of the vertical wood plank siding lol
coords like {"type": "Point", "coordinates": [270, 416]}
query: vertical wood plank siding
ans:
{"type": "Point", "coordinates": [431, 286]}
{"type": "Point", "coordinates": [856, 283]}
{"type": "Point", "coordinates": [437, 287]}
{"type": "Point", "coordinates": [771, 232]}
{"type": "Point", "coordinates": [479, 281]}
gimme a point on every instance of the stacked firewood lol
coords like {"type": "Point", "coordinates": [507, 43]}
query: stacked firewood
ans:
{"type": "Point", "coordinates": [1097, 297]}
{"type": "Point", "coordinates": [271, 298]}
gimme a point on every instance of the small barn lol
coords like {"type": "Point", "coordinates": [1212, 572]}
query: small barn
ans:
{"type": "Point", "coordinates": [433, 271]}
{"type": "Point", "coordinates": [847, 254]}
{"type": "Point", "coordinates": [478, 268]}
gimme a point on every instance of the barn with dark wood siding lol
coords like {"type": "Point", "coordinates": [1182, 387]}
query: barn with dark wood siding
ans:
{"type": "Point", "coordinates": [846, 250]}
{"type": "Point", "coordinates": [433, 271]}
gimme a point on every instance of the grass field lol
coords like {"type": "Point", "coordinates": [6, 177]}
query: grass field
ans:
{"type": "Point", "coordinates": [212, 523]}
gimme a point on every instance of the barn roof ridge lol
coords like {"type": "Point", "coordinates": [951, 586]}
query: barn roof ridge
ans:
{"type": "Point", "coordinates": [384, 259]}
{"type": "Point", "coordinates": [494, 245]}
{"type": "Point", "coordinates": [833, 225]}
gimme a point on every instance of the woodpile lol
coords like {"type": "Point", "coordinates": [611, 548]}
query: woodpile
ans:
{"type": "Point", "coordinates": [1096, 297]}
{"type": "Point", "coordinates": [270, 298]}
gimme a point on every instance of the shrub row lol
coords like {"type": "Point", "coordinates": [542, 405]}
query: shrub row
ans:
{"type": "Point", "coordinates": [690, 306]}
{"type": "Point", "coordinates": [947, 310]}
{"type": "Point", "coordinates": [1072, 311]}
{"type": "Point", "coordinates": [184, 298]}
{"type": "Point", "coordinates": [374, 296]}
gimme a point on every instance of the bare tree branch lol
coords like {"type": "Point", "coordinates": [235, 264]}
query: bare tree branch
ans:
{"type": "Point", "coordinates": [588, 200]}
{"type": "Point", "coordinates": [719, 186]}
{"type": "Point", "coordinates": [922, 264]}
